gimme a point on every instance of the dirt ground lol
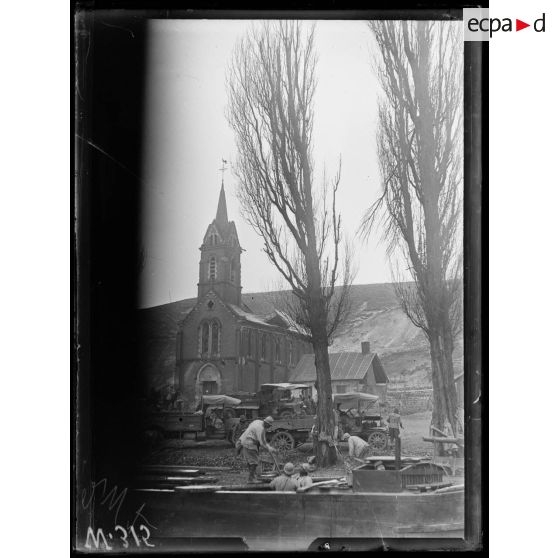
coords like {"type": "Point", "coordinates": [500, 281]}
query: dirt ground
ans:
{"type": "Point", "coordinates": [218, 453]}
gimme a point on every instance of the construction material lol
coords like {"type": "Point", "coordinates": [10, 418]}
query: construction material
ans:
{"type": "Point", "coordinates": [171, 470]}
{"type": "Point", "coordinates": [446, 440]}
{"type": "Point", "coordinates": [156, 480]}
{"type": "Point", "coordinates": [333, 482]}
{"type": "Point", "coordinates": [197, 488]}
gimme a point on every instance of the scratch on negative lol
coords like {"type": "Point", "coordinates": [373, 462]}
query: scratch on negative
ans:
{"type": "Point", "coordinates": [95, 146]}
{"type": "Point", "coordinates": [120, 27]}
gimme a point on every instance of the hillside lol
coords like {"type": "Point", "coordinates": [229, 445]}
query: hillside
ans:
{"type": "Point", "coordinates": [375, 317]}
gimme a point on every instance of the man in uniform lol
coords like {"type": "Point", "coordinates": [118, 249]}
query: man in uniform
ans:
{"type": "Point", "coordinates": [251, 440]}
{"type": "Point", "coordinates": [285, 481]}
{"type": "Point", "coordinates": [358, 448]}
{"type": "Point", "coordinates": [394, 423]}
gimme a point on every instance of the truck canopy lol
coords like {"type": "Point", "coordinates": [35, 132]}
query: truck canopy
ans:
{"type": "Point", "coordinates": [285, 386]}
{"type": "Point", "coordinates": [352, 399]}
{"type": "Point", "coordinates": [225, 400]}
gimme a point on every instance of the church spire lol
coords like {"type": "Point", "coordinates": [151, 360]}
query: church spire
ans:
{"type": "Point", "coordinates": [222, 218]}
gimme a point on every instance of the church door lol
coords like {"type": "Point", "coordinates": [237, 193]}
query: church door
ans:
{"type": "Point", "coordinates": [209, 388]}
{"type": "Point", "coordinates": [208, 381]}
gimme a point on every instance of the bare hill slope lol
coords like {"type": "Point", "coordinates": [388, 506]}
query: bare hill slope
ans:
{"type": "Point", "coordinates": [375, 317]}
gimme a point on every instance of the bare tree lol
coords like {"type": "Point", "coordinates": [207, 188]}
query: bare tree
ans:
{"type": "Point", "coordinates": [271, 89]}
{"type": "Point", "coordinates": [419, 145]}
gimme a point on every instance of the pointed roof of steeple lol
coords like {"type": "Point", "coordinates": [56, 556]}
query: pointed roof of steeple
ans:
{"type": "Point", "coordinates": [222, 218]}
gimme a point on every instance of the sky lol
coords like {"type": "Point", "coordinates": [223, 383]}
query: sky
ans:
{"type": "Point", "coordinates": [187, 136]}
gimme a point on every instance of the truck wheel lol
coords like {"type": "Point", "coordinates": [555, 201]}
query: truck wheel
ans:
{"type": "Point", "coordinates": [283, 441]}
{"type": "Point", "coordinates": [377, 440]}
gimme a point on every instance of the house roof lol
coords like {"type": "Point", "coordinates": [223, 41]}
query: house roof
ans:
{"type": "Point", "coordinates": [343, 366]}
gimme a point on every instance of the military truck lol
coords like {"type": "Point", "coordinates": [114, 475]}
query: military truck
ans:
{"type": "Point", "coordinates": [212, 420]}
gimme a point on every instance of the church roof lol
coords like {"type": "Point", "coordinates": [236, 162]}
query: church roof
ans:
{"type": "Point", "coordinates": [226, 229]}
{"type": "Point", "coordinates": [222, 218]}
{"type": "Point", "coordinates": [269, 320]}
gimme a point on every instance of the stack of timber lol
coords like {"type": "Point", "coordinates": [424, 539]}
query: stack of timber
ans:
{"type": "Point", "coordinates": [168, 477]}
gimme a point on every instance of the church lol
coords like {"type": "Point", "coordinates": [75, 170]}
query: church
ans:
{"type": "Point", "coordinates": [222, 346]}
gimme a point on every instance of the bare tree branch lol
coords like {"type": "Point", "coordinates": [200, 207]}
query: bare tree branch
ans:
{"type": "Point", "coordinates": [419, 149]}
{"type": "Point", "coordinates": [272, 84]}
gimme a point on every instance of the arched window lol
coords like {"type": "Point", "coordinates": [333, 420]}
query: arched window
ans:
{"type": "Point", "coordinates": [210, 338]}
{"type": "Point", "coordinates": [233, 273]}
{"type": "Point", "coordinates": [213, 239]}
{"type": "Point", "coordinates": [212, 268]}
{"type": "Point", "coordinates": [205, 338]}
{"type": "Point", "coordinates": [263, 350]}
{"type": "Point", "coordinates": [215, 337]}
{"type": "Point", "coordinates": [277, 349]}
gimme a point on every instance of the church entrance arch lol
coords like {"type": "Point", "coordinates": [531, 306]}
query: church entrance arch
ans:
{"type": "Point", "coordinates": [208, 381]}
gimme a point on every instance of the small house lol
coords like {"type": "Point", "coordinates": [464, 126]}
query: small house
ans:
{"type": "Point", "coordinates": [350, 371]}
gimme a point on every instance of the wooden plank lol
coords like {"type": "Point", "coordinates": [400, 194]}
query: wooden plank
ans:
{"type": "Point", "coordinates": [175, 470]}
{"type": "Point", "coordinates": [440, 440]}
{"type": "Point", "coordinates": [146, 479]}
{"type": "Point", "coordinates": [197, 488]}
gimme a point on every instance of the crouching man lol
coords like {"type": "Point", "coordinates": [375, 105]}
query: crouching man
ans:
{"type": "Point", "coordinates": [285, 482]}
{"type": "Point", "coordinates": [251, 440]}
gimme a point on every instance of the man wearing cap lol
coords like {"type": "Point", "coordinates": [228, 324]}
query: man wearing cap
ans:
{"type": "Point", "coordinates": [285, 481]}
{"type": "Point", "coordinates": [304, 480]}
{"type": "Point", "coordinates": [251, 440]}
{"type": "Point", "coordinates": [357, 446]}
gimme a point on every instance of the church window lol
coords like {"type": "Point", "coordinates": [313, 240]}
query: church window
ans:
{"type": "Point", "coordinates": [233, 273]}
{"type": "Point", "coordinates": [213, 239]}
{"type": "Point", "coordinates": [210, 338]}
{"type": "Point", "coordinates": [205, 338]}
{"type": "Point", "coordinates": [212, 267]}
{"type": "Point", "coordinates": [263, 352]}
{"type": "Point", "coordinates": [215, 337]}
{"type": "Point", "coordinates": [277, 349]}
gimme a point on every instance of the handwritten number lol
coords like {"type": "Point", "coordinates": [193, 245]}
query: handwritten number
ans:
{"type": "Point", "coordinates": [124, 537]}
{"type": "Point", "coordinates": [133, 531]}
{"type": "Point", "coordinates": [146, 539]}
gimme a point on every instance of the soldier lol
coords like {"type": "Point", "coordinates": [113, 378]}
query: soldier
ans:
{"type": "Point", "coordinates": [394, 423]}
{"type": "Point", "coordinates": [285, 482]}
{"type": "Point", "coordinates": [252, 439]}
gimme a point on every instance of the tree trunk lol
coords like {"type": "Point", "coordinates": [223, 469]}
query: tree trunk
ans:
{"type": "Point", "coordinates": [443, 389]}
{"type": "Point", "coordinates": [325, 450]}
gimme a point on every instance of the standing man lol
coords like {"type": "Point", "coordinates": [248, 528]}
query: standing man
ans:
{"type": "Point", "coordinates": [394, 424]}
{"type": "Point", "coordinates": [251, 440]}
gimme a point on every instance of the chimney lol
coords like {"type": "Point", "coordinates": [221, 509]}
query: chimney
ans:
{"type": "Point", "coordinates": [365, 345]}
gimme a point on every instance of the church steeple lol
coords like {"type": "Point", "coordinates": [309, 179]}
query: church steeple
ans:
{"type": "Point", "coordinates": [220, 257]}
{"type": "Point", "coordinates": [222, 219]}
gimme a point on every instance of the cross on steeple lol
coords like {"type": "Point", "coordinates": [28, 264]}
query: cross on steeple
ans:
{"type": "Point", "coordinates": [223, 169]}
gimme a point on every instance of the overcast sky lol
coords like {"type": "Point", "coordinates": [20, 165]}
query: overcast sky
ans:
{"type": "Point", "coordinates": [187, 135]}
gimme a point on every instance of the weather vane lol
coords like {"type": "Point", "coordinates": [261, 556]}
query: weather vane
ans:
{"type": "Point", "coordinates": [223, 169]}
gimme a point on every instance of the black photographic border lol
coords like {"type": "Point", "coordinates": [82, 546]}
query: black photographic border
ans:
{"type": "Point", "coordinates": [101, 217]}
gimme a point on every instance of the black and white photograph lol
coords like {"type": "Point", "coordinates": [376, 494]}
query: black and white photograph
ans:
{"type": "Point", "coordinates": [277, 244]}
